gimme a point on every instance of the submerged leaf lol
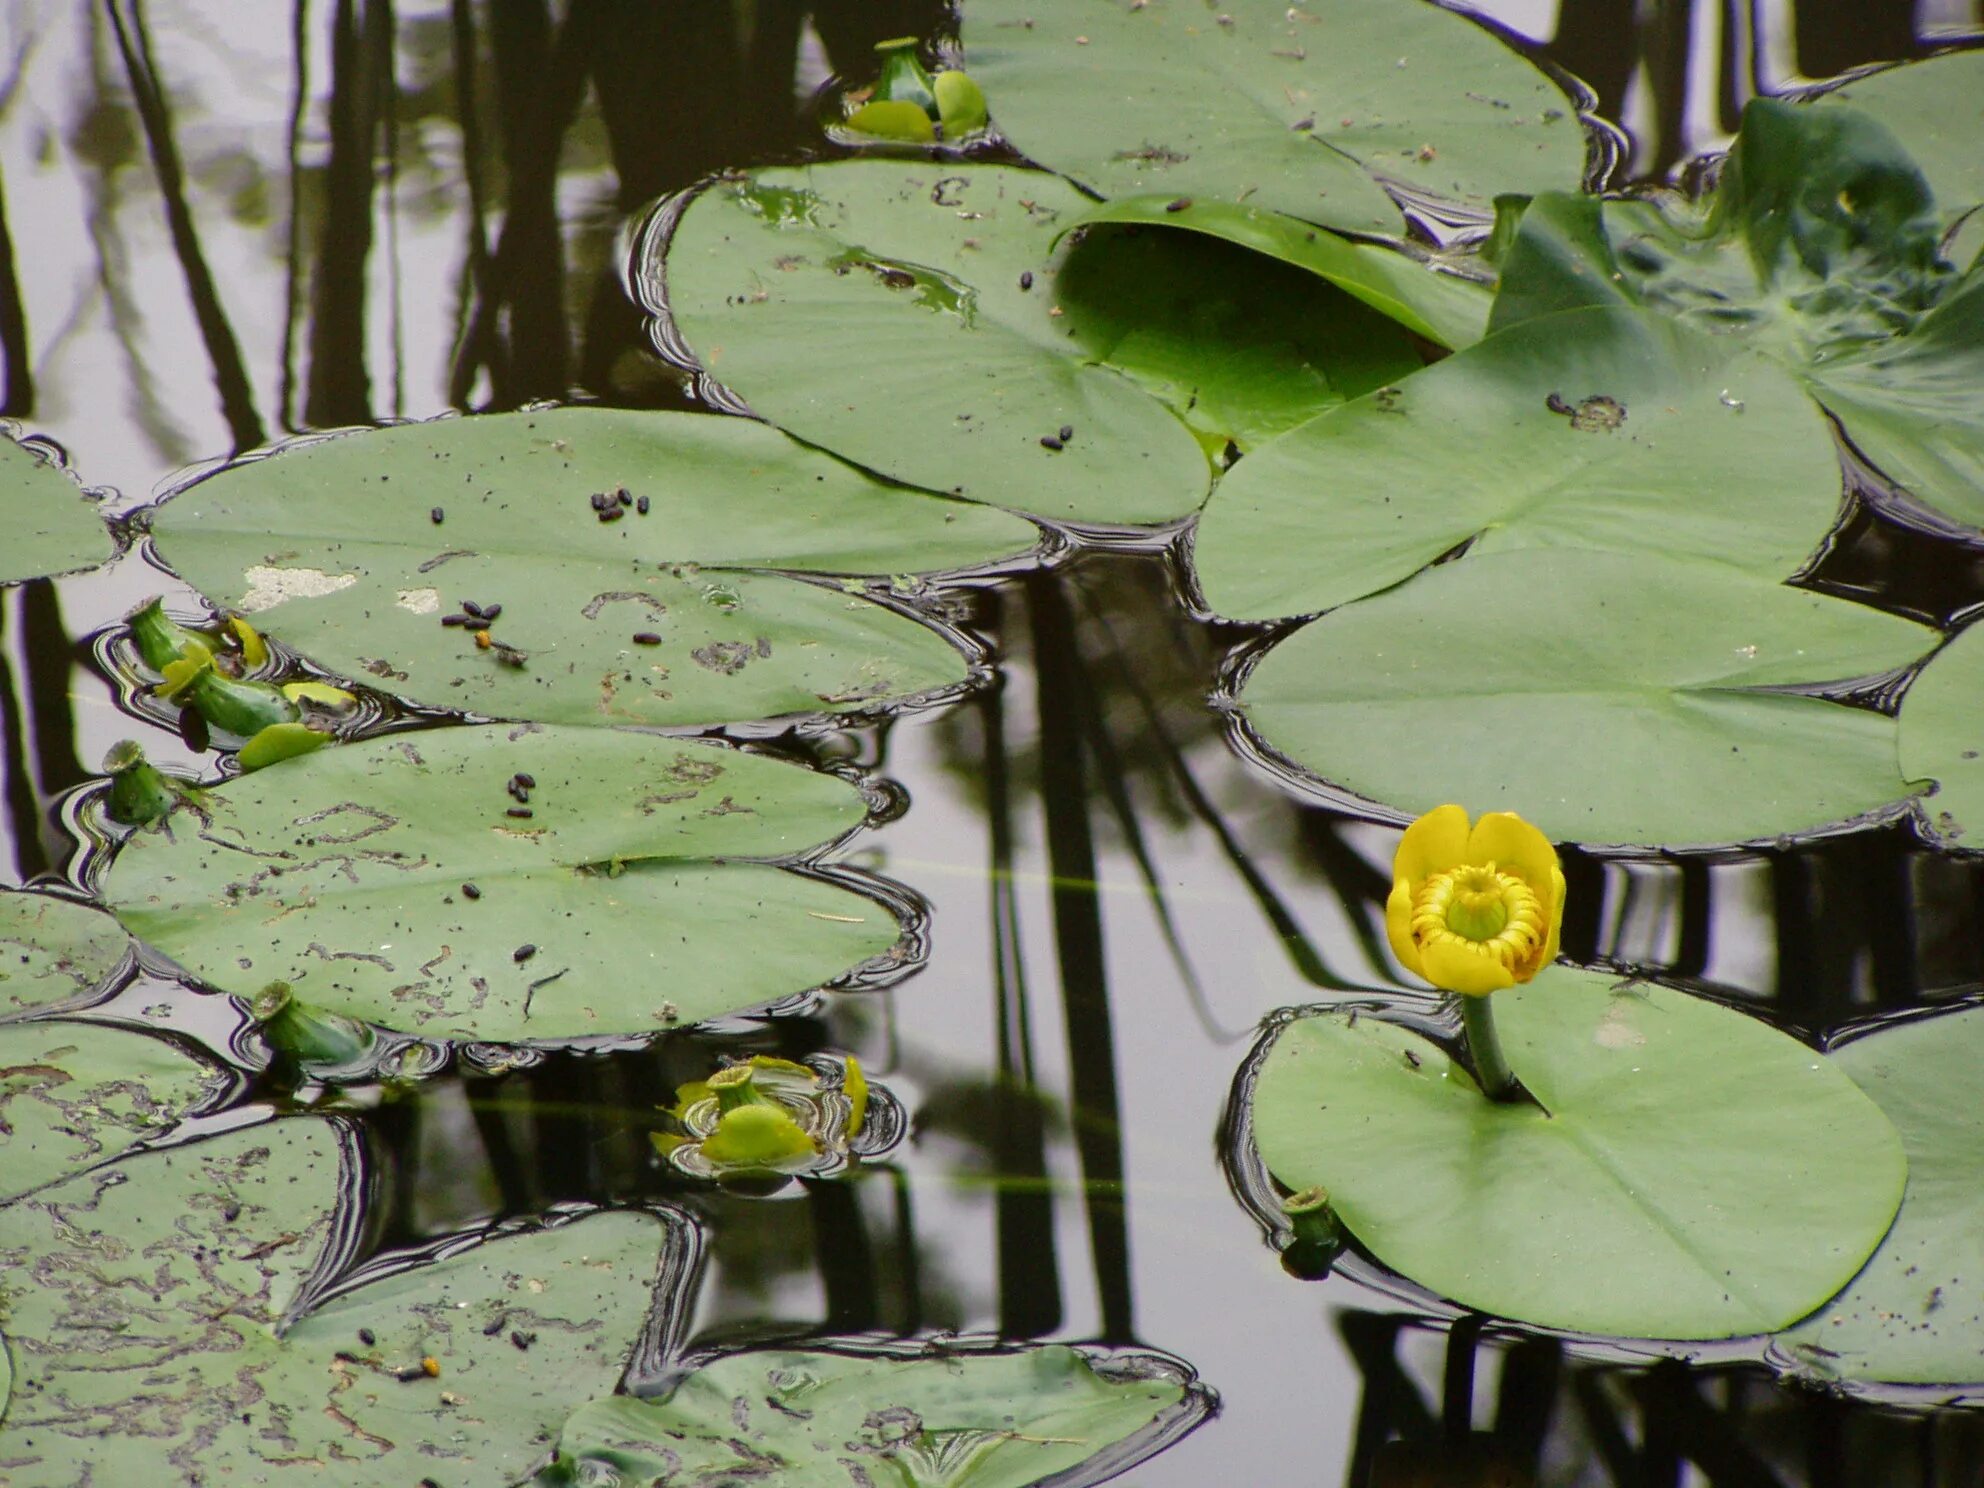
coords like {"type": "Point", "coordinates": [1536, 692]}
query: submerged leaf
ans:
{"type": "Point", "coordinates": [50, 528]}
{"type": "Point", "coordinates": [605, 615]}
{"type": "Point", "coordinates": [1606, 698]}
{"type": "Point", "coordinates": [815, 1418]}
{"type": "Point", "coordinates": [398, 881]}
{"type": "Point", "coordinates": [159, 1343]}
{"type": "Point", "coordinates": [1914, 1315]}
{"type": "Point", "coordinates": [1690, 1172]}
{"type": "Point", "coordinates": [1299, 109]}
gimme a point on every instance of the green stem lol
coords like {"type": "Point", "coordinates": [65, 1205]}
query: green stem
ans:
{"type": "Point", "coordinates": [1491, 1066]}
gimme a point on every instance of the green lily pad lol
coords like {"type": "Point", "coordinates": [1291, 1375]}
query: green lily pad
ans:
{"type": "Point", "coordinates": [816, 1418]}
{"type": "Point", "coordinates": [1607, 698]}
{"type": "Point", "coordinates": [1594, 428]}
{"type": "Point", "coordinates": [74, 1094]}
{"type": "Point", "coordinates": [331, 547]}
{"type": "Point", "coordinates": [152, 1322]}
{"type": "Point", "coordinates": [51, 528]}
{"type": "Point", "coordinates": [53, 951]}
{"type": "Point", "coordinates": [1300, 109]}
{"type": "Point", "coordinates": [1818, 248]}
{"type": "Point", "coordinates": [1697, 1175]}
{"type": "Point", "coordinates": [1942, 737]}
{"type": "Point", "coordinates": [615, 904]}
{"type": "Point", "coordinates": [1441, 307]}
{"type": "Point", "coordinates": [1915, 1315]}
{"type": "Point", "coordinates": [1935, 108]}
{"type": "Point", "coordinates": [921, 320]}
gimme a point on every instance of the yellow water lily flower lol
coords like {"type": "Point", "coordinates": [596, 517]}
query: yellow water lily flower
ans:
{"type": "Point", "coordinates": [1475, 909]}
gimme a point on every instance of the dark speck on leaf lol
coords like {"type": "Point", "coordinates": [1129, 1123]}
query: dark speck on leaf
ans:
{"type": "Point", "coordinates": [470, 891]}
{"type": "Point", "coordinates": [1026, 279]}
{"type": "Point", "coordinates": [523, 953]}
{"type": "Point", "coordinates": [436, 516]}
{"type": "Point", "coordinates": [641, 506]}
{"type": "Point", "coordinates": [1048, 441]}
{"type": "Point", "coordinates": [522, 813]}
{"type": "Point", "coordinates": [367, 1337]}
{"type": "Point", "coordinates": [1067, 432]}
{"type": "Point", "coordinates": [1178, 204]}
{"type": "Point", "coordinates": [646, 638]}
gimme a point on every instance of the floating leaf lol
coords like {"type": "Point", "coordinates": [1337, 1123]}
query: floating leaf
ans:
{"type": "Point", "coordinates": [918, 318]}
{"type": "Point", "coordinates": [1608, 699]}
{"type": "Point", "coordinates": [605, 619]}
{"type": "Point", "coordinates": [1942, 737]}
{"type": "Point", "coordinates": [1690, 1172]}
{"type": "Point", "coordinates": [54, 951]}
{"type": "Point", "coordinates": [399, 881]}
{"type": "Point", "coordinates": [1935, 108]}
{"type": "Point", "coordinates": [50, 527]}
{"type": "Point", "coordinates": [74, 1094]}
{"type": "Point", "coordinates": [1914, 1315]}
{"type": "Point", "coordinates": [1441, 307]}
{"type": "Point", "coordinates": [151, 1322]}
{"type": "Point", "coordinates": [815, 1418]}
{"type": "Point", "coordinates": [1296, 109]}
{"type": "Point", "coordinates": [1596, 428]}
{"type": "Point", "coordinates": [1819, 248]}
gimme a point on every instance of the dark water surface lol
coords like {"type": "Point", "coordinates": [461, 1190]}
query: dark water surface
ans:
{"type": "Point", "coordinates": [228, 223]}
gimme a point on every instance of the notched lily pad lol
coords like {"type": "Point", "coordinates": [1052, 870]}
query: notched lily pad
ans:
{"type": "Point", "coordinates": [1302, 109]}
{"type": "Point", "coordinates": [54, 951]}
{"type": "Point", "coordinates": [819, 1418]}
{"type": "Point", "coordinates": [623, 549]}
{"type": "Point", "coordinates": [75, 1094]}
{"type": "Point", "coordinates": [165, 1325]}
{"type": "Point", "coordinates": [1819, 248]}
{"type": "Point", "coordinates": [1697, 1175]}
{"type": "Point", "coordinates": [51, 527]}
{"type": "Point", "coordinates": [401, 881]}
{"type": "Point", "coordinates": [1595, 428]}
{"type": "Point", "coordinates": [1607, 698]}
{"type": "Point", "coordinates": [904, 315]}
{"type": "Point", "coordinates": [1915, 1315]}
{"type": "Point", "coordinates": [1942, 738]}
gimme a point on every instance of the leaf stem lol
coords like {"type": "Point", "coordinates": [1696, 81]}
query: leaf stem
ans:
{"type": "Point", "coordinates": [1491, 1066]}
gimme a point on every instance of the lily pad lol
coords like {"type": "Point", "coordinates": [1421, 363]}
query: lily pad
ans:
{"type": "Point", "coordinates": [53, 951]}
{"type": "Point", "coordinates": [1690, 1171]}
{"type": "Point", "coordinates": [1818, 248]}
{"type": "Point", "coordinates": [1915, 1315]}
{"type": "Point", "coordinates": [74, 1094]}
{"type": "Point", "coordinates": [1300, 109]}
{"type": "Point", "coordinates": [398, 881]}
{"type": "Point", "coordinates": [1595, 428]}
{"type": "Point", "coordinates": [1439, 306]}
{"type": "Point", "coordinates": [153, 1322]}
{"type": "Point", "coordinates": [1942, 737]}
{"type": "Point", "coordinates": [1935, 108]}
{"type": "Point", "coordinates": [1608, 699]}
{"type": "Point", "coordinates": [920, 319]}
{"type": "Point", "coordinates": [815, 1418]}
{"type": "Point", "coordinates": [51, 528]}
{"type": "Point", "coordinates": [332, 546]}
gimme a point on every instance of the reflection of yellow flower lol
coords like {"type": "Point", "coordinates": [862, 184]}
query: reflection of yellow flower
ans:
{"type": "Point", "coordinates": [1475, 910]}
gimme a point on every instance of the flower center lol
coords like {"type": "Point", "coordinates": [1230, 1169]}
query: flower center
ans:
{"type": "Point", "coordinates": [1482, 911]}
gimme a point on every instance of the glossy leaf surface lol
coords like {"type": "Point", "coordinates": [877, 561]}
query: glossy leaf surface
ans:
{"type": "Point", "coordinates": [54, 951]}
{"type": "Point", "coordinates": [1697, 1175]}
{"type": "Point", "coordinates": [50, 528]}
{"type": "Point", "coordinates": [1608, 699]}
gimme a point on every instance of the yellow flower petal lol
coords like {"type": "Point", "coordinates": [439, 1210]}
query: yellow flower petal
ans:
{"type": "Point", "coordinates": [1553, 915]}
{"type": "Point", "coordinates": [1433, 844]}
{"type": "Point", "coordinates": [1514, 846]}
{"type": "Point", "coordinates": [1398, 926]}
{"type": "Point", "coordinates": [1455, 969]}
